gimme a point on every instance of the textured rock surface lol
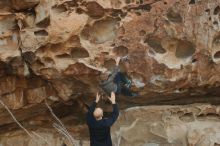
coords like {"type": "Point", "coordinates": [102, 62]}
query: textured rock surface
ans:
{"type": "Point", "coordinates": [172, 46]}
{"type": "Point", "coordinates": [191, 125]}
{"type": "Point", "coordinates": [56, 49]}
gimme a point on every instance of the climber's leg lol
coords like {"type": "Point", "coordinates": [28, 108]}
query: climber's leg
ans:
{"type": "Point", "coordinates": [124, 80]}
{"type": "Point", "coordinates": [117, 80]}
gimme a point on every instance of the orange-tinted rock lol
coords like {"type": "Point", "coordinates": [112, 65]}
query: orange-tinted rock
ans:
{"type": "Point", "coordinates": [94, 9]}
{"type": "Point", "coordinates": [7, 85]}
{"type": "Point", "coordinates": [24, 4]}
{"type": "Point", "coordinates": [79, 69]}
{"type": "Point", "coordinates": [14, 100]}
{"type": "Point", "coordinates": [56, 50]}
{"type": "Point", "coordinates": [36, 95]}
{"type": "Point", "coordinates": [170, 49]}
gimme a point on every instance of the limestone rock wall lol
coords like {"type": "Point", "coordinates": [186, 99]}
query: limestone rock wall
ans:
{"type": "Point", "coordinates": [190, 125]}
{"type": "Point", "coordinates": [172, 45]}
{"type": "Point", "coordinates": [55, 50]}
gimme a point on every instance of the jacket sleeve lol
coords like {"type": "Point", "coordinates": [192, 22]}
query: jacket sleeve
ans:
{"type": "Point", "coordinates": [89, 114]}
{"type": "Point", "coordinates": [110, 121]}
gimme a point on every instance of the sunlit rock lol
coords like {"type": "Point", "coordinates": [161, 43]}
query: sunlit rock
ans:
{"type": "Point", "coordinates": [54, 51]}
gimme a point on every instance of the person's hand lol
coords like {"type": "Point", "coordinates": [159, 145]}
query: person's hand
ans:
{"type": "Point", "coordinates": [98, 96]}
{"type": "Point", "coordinates": [112, 98]}
{"type": "Point", "coordinates": [117, 60]}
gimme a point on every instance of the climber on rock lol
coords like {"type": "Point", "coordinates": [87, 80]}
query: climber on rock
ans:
{"type": "Point", "coordinates": [99, 127]}
{"type": "Point", "coordinates": [116, 82]}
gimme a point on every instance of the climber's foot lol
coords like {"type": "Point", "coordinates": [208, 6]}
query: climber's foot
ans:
{"type": "Point", "coordinates": [133, 95]}
{"type": "Point", "coordinates": [128, 84]}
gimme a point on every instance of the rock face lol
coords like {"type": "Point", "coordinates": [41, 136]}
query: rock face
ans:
{"type": "Point", "coordinates": [191, 125]}
{"type": "Point", "coordinates": [168, 125]}
{"type": "Point", "coordinates": [55, 50]}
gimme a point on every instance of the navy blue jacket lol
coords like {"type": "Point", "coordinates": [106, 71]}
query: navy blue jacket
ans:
{"type": "Point", "coordinates": [100, 129]}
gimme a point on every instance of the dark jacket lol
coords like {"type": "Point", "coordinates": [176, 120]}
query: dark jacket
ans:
{"type": "Point", "coordinates": [109, 85]}
{"type": "Point", "coordinates": [100, 130]}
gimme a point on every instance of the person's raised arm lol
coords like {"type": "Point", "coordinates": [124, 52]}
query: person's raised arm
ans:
{"type": "Point", "coordinates": [109, 122]}
{"type": "Point", "coordinates": [89, 114]}
{"type": "Point", "coordinates": [93, 105]}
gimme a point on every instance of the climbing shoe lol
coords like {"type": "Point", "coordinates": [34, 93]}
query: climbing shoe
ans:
{"type": "Point", "coordinates": [134, 95]}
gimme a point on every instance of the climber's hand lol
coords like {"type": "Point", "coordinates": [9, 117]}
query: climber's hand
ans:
{"type": "Point", "coordinates": [98, 96]}
{"type": "Point", "coordinates": [112, 98]}
{"type": "Point", "coordinates": [117, 60]}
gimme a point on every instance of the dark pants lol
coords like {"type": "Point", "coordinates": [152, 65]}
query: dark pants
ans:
{"type": "Point", "coordinates": [121, 80]}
